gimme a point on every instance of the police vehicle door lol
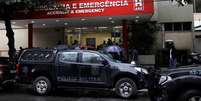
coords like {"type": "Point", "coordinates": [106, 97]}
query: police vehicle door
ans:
{"type": "Point", "coordinates": [67, 71]}
{"type": "Point", "coordinates": [92, 71]}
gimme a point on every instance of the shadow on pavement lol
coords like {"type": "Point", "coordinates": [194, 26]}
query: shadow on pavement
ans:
{"type": "Point", "coordinates": [68, 95]}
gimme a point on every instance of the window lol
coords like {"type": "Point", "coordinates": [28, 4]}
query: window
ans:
{"type": "Point", "coordinates": [37, 56]}
{"type": "Point", "coordinates": [168, 27]}
{"type": "Point", "coordinates": [177, 26]}
{"type": "Point", "coordinates": [68, 57]}
{"type": "Point", "coordinates": [187, 26]}
{"type": "Point", "coordinates": [91, 58]}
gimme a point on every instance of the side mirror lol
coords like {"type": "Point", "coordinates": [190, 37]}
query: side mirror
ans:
{"type": "Point", "coordinates": [104, 62]}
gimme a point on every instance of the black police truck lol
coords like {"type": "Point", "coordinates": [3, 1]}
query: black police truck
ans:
{"type": "Point", "coordinates": [47, 69]}
{"type": "Point", "coordinates": [7, 73]}
{"type": "Point", "coordinates": [181, 84]}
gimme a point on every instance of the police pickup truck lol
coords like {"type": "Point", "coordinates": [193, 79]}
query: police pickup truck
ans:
{"type": "Point", "coordinates": [182, 84]}
{"type": "Point", "coordinates": [7, 73]}
{"type": "Point", "coordinates": [47, 69]}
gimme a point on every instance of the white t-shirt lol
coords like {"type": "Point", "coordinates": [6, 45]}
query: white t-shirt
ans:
{"type": "Point", "coordinates": [170, 53]}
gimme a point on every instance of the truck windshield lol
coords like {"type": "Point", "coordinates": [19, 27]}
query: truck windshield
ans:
{"type": "Point", "coordinates": [109, 57]}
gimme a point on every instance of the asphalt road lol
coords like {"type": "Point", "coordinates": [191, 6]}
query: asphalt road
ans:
{"type": "Point", "coordinates": [25, 94]}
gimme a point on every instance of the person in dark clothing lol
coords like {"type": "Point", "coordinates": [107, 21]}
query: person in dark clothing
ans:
{"type": "Point", "coordinates": [109, 42]}
{"type": "Point", "coordinates": [135, 56]}
{"type": "Point", "coordinates": [172, 56]}
{"type": "Point", "coordinates": [153, 86]}
{"type": "Point", "coordinates": [59, 42]}
{"type": "Point", "coordinates": [104, 44]}
{"type": "Point", "coordinates": [19, 53]}
{"type": "Point", "coordinates": [75, 45]}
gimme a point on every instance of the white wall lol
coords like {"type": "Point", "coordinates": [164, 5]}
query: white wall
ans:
{"type": "Point", "coordinates": [47, 37]}
{"type": "Point", "coordinates": [197, 21]}
{"type": "Point", "coordinates": [182, 40]}
{"type": "Point", "coordinates": [167, 11]}
{"type": "Point", "coordinates": [197, 42]}
{"type": "Point", "coordinates": [21, 39]}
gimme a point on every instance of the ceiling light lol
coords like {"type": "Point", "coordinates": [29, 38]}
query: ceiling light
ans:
{"type": "Point", "coordinates": [110, 18]}
{"type": "Point", "coordinates": [44, 24]}
{"type": "Point", "coordinates": [14, 22]}
{"type": "Point", "coordinates": [57, 20]}
{"type": "Point", "coordinates": [118, 27]}
{"type": "Point", "coordinates": [68, 30]}
{"type": "Point", "coordinates": [102, 27]}
{"type": "Point", "coordinates": [77, 28]}
{"type": "Point", "coordinates": [65, 23]}
{"type": "Point", "coordinates": [32, 21]}
{"type": "Point", "coordinates": [84, 28]}
{"type": "Point", "coordinates": [83, 19]}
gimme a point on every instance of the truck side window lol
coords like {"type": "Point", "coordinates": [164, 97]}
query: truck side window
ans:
{"type": "Point", "coordinates": [68, 57]}
{"type": "Point", "coordinates": [91, 58]}
{"type": "Point", "coordinates": [37, 56]}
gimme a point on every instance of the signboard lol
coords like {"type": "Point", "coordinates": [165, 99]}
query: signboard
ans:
{"type": "Point", "coordinates": [92, 8]}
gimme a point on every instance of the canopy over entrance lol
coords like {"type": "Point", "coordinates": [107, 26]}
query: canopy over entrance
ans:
{"type": "Point", "coordinates": [80, 22]}
{"type": "Point", "coordinates": [90, 12]}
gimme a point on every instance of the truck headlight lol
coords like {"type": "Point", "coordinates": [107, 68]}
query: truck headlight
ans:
{"type": "Point", "coordinates": [133, 63]}
{"type": "Point", "coordinates": [164, 79]}
{"type": "Point", "coordinates": [141, 70]}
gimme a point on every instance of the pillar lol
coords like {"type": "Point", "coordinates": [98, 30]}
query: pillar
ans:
{"type": "Point", "coordinates": [30, 35]}
{"type": "Point", "coordinates": [125, 37]}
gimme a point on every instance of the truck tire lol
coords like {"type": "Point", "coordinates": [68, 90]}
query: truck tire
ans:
{"type": "Point", "coordinates": [42, 85]}
{"type": "Point", "coordinates": [190, 95]}
{"type": "Point", "coordinates": [125, 88]}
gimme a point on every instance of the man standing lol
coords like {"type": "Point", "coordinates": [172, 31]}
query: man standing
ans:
{"type": "Point", "coordinates": [135, 56]}
{"type": "Point", "coordinates": [172, 56]}
{"type": "Point", "coordinates": [75, 45]}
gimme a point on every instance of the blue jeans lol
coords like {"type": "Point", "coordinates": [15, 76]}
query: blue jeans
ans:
{"type": "Point", "coordinates": [172, 63]}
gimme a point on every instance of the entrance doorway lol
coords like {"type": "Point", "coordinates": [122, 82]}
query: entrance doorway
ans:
{"type": "Point", "coordinates": [93, 37]}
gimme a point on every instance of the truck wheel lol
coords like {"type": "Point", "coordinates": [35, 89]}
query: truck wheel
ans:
{"type": "Point", "coordinates": [42, 85]}
{"type": "Point", "coordinates": [125, 88]}
{"type": "Point", "coordinates": [190, 95]}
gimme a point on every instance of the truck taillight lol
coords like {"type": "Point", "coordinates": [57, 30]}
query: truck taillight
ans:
{"type": "Point", "coordinates": [2, 67]}
{"type": "Point", "coordinates": [1, 70]}
{"type": "Point", "coordinates": [17, 68]}
{"type": "Point", "coordinates": [1, 73]}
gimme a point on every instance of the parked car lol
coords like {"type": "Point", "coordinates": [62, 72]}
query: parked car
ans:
{"type": "Point", "coordinates": [7, 73]}
{"type": "Point", "coordinates": [194, 58]}
{"type": "Point", "coordinates": [182, 84]}
{"type": "Point", "coordinates": [47, 69]}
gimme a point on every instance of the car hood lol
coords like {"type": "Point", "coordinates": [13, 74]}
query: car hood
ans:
{"type": "Point", "coordinates": [125, 67]}
{"type": "Point", "coordinates": [182, 70]}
